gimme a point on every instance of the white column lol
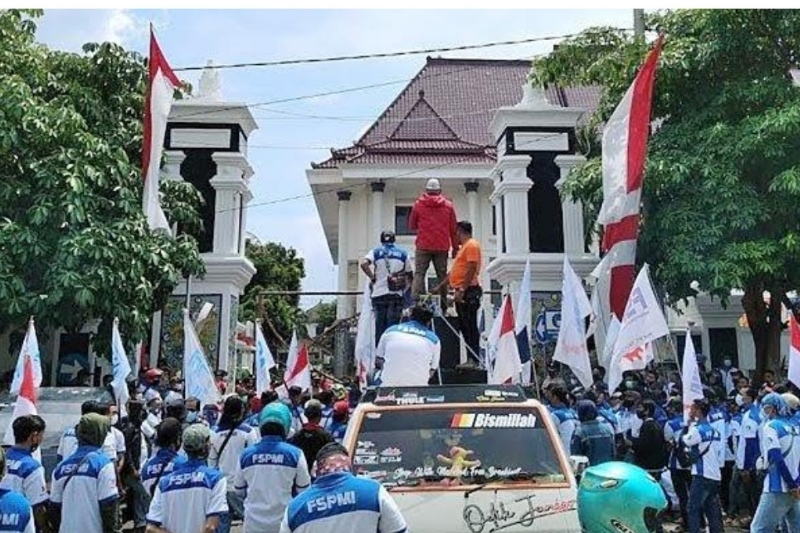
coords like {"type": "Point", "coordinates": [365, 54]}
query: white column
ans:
{"type": "Point", "coordinates": [342, 306]}
{"type": "Point", "coordinates": [377, 210]}
{"type": "Point", "coordinates": [513, 186]}
{"type": "Point", "coordinates": [471, 187]}
{"type": "Point", "coordinates": [571, 210]}
{"type": "Point", "coordinates": [247, 197]}
{"type": "Point", "coordinates": [172, 164]}
{"type": "Point", "coordinates": [228, 183]}
{"type": "Point", "coordinates": [496, 201]}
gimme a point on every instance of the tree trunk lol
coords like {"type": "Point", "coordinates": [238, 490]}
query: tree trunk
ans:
{"type": "Point", "coordinates": [765, 327]}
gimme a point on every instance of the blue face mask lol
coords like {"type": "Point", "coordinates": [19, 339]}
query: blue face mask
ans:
{"type": "Point", "coordinates": [191, 417]}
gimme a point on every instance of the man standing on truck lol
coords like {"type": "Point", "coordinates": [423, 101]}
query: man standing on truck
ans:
{"type": "Point", "coordinates": [433, 218]}
{"type": "Point", "coordinates": [408, 353]}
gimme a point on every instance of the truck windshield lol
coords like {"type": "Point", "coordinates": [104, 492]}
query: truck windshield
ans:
{"type": "Point", "coordinates": [417, 447]}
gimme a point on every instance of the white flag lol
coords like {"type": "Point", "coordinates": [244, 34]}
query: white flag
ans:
{"type": "Point", "coordinates": [121, 370]}
{"type": "Point", "coordinates": [571, 345]}
{"type": "Point", "coordinates": [611, 339]}
{"type": "Point", "coordinates": [197, 374]}
{"type": "Point", "coordinates": [30, 347]}
{"type": "Point", "coordinates": [522, 328]}
{"type": "Point", "coordinates": [692, 386]}
{"type": "Point", "coordinates": [365, 339]}
{"type": "Point", "coordinates": [642, 323]}
{"type": "Point", "coordinates": [264, 361]}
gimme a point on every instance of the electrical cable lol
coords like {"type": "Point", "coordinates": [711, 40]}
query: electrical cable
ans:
{"type": "Point", "coordinates": [331, 59]}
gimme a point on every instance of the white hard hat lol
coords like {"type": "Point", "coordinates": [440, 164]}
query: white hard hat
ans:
{"type": "Point", "coordinates": [433, 185]}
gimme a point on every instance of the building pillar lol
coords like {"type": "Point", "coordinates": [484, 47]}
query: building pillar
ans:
{"type": "Point", "coordinates": [377, 210]}
{"type": "Point", "coordinates": [572, 210]}
{"type": "Point", "coordinates": [342, 306]}
{"type": "Point", "coordinates": [229, 184]}
{"type": "Point", "coordinates": [471, 187]}
{"type": "Point", "coordinates": [172, 164]}
{"type": "Point", "coordinates": [512, 185]}
{"type": "Point", "coordinates": [245, 199]}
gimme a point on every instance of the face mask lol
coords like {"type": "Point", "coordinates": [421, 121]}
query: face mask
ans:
{"type": "Point", "coordinates": [114, 420]}
{"type": "Point", "coordinates": [177, 388]}
{"type": "Point", "coordinates": [191, 417]}
{"type": "Point", "coordinates": [630, 384]}
{"type": "Point", "coordinates": [739, 399]}
{"type": "Point", "coordinates": [727, 362]}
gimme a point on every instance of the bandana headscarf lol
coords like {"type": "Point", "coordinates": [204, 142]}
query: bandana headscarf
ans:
{"type": "Point", "coordinates": [333, 458]}
{"type": "Point", "coordinates": [92, 429]}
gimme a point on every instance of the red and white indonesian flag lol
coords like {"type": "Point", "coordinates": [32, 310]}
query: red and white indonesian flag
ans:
{"type": "Point", "coordinates": [642, 323]}
{"type": "Point", "coordinates": [794, 351]}
{"type": "Point", "coordinates": [624, 152]}
{"type": "Point", "coordinates": [298, 369]}
{"type": "Point", "coordinates": [29, 349]}
{"type": "Point", "coordinates": [365, 339]}
{"type": "Point", "coordinates": [571, 346]}
{"type": "Point", "coordinates": [26, 401]}
{"type": "Point", "coordinates": [690, 378]}
{"type": "Point", "coordinates": [502, 354]}
{"type": "Point", "coordinates": [161, 86]}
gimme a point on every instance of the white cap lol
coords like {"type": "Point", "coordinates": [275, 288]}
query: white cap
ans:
{"type": "Point", "coordinates": [433, 185]}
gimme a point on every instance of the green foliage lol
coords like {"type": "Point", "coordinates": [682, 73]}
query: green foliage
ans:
{"type": "Point", "coordinates": [74, 244]}
{"type": "Point", "coordinates": [722, 187]}
{"type": "Point", "coordinates": [277, 269]}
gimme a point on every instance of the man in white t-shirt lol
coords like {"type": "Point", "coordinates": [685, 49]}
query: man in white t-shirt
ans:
{"type": "Point", "coordinates": [84, 485]}
{"type": "Point", "coordinates": [408, 353]}
{"type": "Point", "coordinates": [389, 269]}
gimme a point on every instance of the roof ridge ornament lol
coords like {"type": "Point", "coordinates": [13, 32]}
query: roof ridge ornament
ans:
{"type": "Point", "coordinates": [209, 86]}
{"type": "Point", "coordinates": [534, 98]}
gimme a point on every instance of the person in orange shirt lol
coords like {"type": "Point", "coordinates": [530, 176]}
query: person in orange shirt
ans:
{"type": "Point", "coordinates": [464, 279]}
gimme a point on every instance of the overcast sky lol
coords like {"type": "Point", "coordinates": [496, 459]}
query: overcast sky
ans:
{"type": "Point", "coordinates": [285, 144]}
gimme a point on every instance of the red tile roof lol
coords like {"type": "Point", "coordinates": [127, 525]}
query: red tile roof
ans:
{"type": "Point", "coordinates": [443, 114]}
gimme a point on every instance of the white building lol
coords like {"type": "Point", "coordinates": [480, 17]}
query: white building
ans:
{"type": "Point", "coordinates": [499, 155]}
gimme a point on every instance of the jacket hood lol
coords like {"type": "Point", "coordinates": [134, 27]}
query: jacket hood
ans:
{"type": "Point", "coordinates": [434, 200]}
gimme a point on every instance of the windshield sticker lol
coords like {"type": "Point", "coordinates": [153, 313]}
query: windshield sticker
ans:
{"type": "Point", "coordinates": [503, 515]}
{"type": "Point", "coordinates": [365, 460]}
{"type": "Point", "coordinates": [484, 420]}
{"type": "Point", "coordinates": [391, 455]}
{"type": "Point", "coordinates": [407, 398]}
{"type": "Point", "coordinates": [373, 416]}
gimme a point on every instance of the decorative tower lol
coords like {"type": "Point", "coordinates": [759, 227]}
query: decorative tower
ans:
{"type": "Point", "coordinates": [206, 145]}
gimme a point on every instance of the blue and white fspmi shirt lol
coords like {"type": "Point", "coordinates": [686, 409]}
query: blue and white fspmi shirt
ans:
{"type": "Point", "coordinates": [704, 441]}
{"type": "Point", "coordinates": [748, 448]}
{"type": "Point", "coordinates": [270, 473]}
{"type": "Point", "coordinates": [243, 437]}
{"type": "Point", "coordinates": [164, 460]}
{"type": "Point", "coordinates": [387, 259]}
{"type": "Point", "coordinates": [92, 482]}
{"type": "Point", "coordinates": [717, 420]}
{"type": "Point", "coordinates": [409, 351]}
{"type": "Point", "coordinates": [781, 455]}
{"type": "Point", "coordinates": [673, 430]}
{"type": "Point", "coordinates": [343, 503]}
{"type": "Point", "coordinates": [25, 475]}
{"type": "Point", "coordinates": [566, 421]}
{"type": "Point", "coordinates": [187, 496]}
{"type": "Point", "coordinates": [15, 513]}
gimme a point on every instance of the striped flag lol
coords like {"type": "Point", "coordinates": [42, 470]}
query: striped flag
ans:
{"type": "Point", "coordinates": [624, 151]}
{"type": "Point", "coordinates": [794, 351]}
{"type": "Point", "coordinates": [522, 327]}
{"type": "Point", "coordinates": [161, 85]}
{"type": "Point", "coordinates": [503, 364]}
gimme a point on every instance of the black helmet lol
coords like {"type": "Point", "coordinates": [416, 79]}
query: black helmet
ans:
{"type": "Point", "coordinates": [387, 237]}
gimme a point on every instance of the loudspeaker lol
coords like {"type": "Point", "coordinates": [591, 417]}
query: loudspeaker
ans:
{"type": "Point", "coordinates": [461, 375]}
{"type": "Point", "coordinates": [446, 329]}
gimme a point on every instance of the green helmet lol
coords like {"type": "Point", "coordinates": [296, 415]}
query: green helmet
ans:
{"type": "Point", "coordinates": [619, 497]}
{"type": "Point", "coordinates": [276, 413]}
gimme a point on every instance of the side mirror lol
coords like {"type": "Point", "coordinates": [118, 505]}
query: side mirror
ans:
{"type": "Point", "coordinates": [578, 463]}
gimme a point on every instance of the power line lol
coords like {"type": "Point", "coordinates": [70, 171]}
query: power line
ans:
{"type": "Point", "coordinates": [330, 59]}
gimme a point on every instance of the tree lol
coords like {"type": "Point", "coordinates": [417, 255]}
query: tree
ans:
{"type": "Point", "coordinates": [723, 172]}
{"type": "Point", "coordinates": [74, 243]}
{"type": "Point", "coordinates": [277, 269]}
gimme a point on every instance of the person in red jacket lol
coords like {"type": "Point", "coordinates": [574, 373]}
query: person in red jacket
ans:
{"type": "Point", "coordinates": [433, 218]}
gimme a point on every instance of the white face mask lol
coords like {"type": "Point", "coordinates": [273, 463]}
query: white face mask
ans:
{"type": "Point", "coordinates": [114, 420]}
{"type": "Point", "coordinates": [739, 399]}
{"type": "Point", "coordinates": [727, 362]}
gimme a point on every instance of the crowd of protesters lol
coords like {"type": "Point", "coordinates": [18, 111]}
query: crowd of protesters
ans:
{"type": "Point", "coordinates": [180, 466]}
{"type": "Point", "coordinates": [727, 459]}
